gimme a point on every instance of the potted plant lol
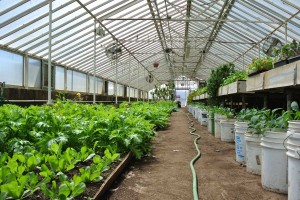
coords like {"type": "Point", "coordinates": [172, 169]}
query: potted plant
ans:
{"type": "Point", "coordinates": [241, 127]}
{"type": "Point", "coordinates": [216, 79]}
{"type": "Point", "coordinates": [237, 75]}
{"type": "Point", "coordinates": [274, 158]}
{"type": "Point", "coordinates": [287, 54]}
{"type": "Point", "coordinates": [256, 127]}
{"type": "Point", "coordinates": [259, 65]}
{"type": "Point", "coordinates": [227, 124]}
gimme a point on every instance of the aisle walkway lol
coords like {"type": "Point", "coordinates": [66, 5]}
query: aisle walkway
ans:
{"type": "Point", "coordinates": [167, 175]}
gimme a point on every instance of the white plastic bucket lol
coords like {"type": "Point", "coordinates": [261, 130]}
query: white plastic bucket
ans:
{"type": "Point", "coordinates": [217, 128]}
{"type": "Point", "coordinates": [209, 126]}
{"type": "Point", "coordinates": [240, 128]}
{"type": "Point", "coordinates": [204, 118]}
{"type": "Point", "coordinates": [200, 115]}
{"type": "Point", "coordinates": [227, 130]}
{"type": "Point", "coordinates": [218, 125]}
{"type": "Point", "coordinates": [293, 154]}
{"type": "Point", "coordinates": [197, 113]}
{"type": "Point", "coordinates": [253, 153]}
{"type": "Point", "coordinates": [274, 162]}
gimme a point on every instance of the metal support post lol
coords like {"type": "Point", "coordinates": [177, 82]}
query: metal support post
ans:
{"type": "Point", "coordinates": [288, 100]}
{"type": "Point", "coordinates": [66, 79]}
{"type": "Point", "coordinates": [243, 62]}
{"type": "Point", "coordinates": [148, 95]}
{"type": "Point", "coordinates": [286, 32]}
{"type": "Point", "coordinates": [243, 101]}
{"type": "Point", "coordinates": [138, 82]}
{"type": "Point", "coordinates": [25, 74]}
{"type": "Point", "coordinates": [116, 86]}
{"type": "Point", "coordinates": [94, 69]}
{"type": "Point", "coordinates": [144, 93]}
{"type": "Point", "coordinates": [49, 52]}
{"type": "Point", "coordinates": [258, 50]}
{"type": "Point", "coordinates": [265, 101]}
{"type": "Point", "coordinates": [129, 79]}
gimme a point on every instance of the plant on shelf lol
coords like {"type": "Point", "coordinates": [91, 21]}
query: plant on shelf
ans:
{"type": "Point", "coordinates": [216, 79]}
{"type": "Point", "coordinates": [195, 93]}
{"type": "Point", "coordinates": [235, 76]}
{"type": "Point", "coordinates": [260, 65]}
{"type": "Point", "coordinates": [287, 51]}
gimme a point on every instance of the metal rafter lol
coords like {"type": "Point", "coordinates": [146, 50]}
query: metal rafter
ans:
{"type": "Point", "coordinates": [160, 32]}
{"type": "Point", "coordinates": [186, 32]}
{"type": "Point", "coordinates": [114, 37]}
{"type": "Point", "coordinates": [218, 25]}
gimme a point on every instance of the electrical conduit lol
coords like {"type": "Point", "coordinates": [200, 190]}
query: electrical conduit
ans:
{"type": "Point", "coordinates": [195, 182]}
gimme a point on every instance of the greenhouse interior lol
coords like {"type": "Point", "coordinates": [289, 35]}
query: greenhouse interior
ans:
{"type": "Point", "coordinates": [149, 99]}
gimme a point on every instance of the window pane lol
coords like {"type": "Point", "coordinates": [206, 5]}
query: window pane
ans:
{"type": "Point", "coordinates": [79, 81]}
{"type": "Point", "coordinates": [59, 78]}
{"type": "Point", "coordinates": [34, 73]}
{"type": "Point", "coordinates": [111, 88]}
{"type": "Point", "coordinates": [100, 85]}
{"type": "Point", "coordinates": [120, 90]}
{"type": "Point", "coordinates": [131, 92]}
{"type": "Point", "coordinates": [11, 68]}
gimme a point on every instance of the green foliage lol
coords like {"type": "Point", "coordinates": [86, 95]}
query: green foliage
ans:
{"type": "Point", "coordinates": [262, 120]}
{"type": "Point", "coordinates": [223, 111]}
{"type": "Point", "coordinates": [235, 76]}
{"type": "Point", "coordinates": [195, 93]}
{"type": "Point", "coordinates": [260, 64]}
{"type": "Point", "coordinates": [245, 114]}
{"type": "Point", "coordinates": [163, 93]}
{"type": "Point", "coordinates": [38, 145]}
{"type": "Point", "coordinates": [216, 79]}
{"type": "Point", "coordinates": [287, 51]}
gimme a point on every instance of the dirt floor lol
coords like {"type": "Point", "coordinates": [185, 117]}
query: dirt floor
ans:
{"type": "Point", "coordinates": [166, 174]}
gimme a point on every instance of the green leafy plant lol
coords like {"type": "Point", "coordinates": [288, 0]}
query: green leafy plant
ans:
{"type": "Point", "coordinates": [235, 76]}
{"type": "Point", "coordinates": [163, 92]}
{"type": "Point", "coordinates": [287, 51]}
{"type": "Point", "coordinates": [216, 79]}
{"type": "Point", "coordinates": [260, 64]}
{"type": "Point", "coordinates": [195, 93]}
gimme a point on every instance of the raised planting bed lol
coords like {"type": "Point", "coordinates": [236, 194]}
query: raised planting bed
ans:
{"type": "Point", "coordinates": [294, 59]}
{"type": "Point", "coordinates": [280, 63]}
{"type": "Point", "coordinates": [223, 90]}
{"type": "Point", "coordinates": [113, 176]}
{"type": "Point", "coordinates": [237, 87]}
{"type": "Point", "coordinates": [255, 82]}
{"type": "Point", "coordinates": [281, 77]}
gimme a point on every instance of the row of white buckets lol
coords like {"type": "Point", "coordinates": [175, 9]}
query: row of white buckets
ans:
{"type": "Point", "coordinates": [275, 156]}
{"type": "Point", "coordinates": [293, 155]}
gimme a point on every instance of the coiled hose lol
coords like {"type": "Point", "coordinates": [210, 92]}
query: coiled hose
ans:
{"type": "Point", "coordinates": [195, 182]}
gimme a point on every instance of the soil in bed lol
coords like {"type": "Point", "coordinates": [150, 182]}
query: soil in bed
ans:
{"type": "Point", "coordinates": [91, 188]}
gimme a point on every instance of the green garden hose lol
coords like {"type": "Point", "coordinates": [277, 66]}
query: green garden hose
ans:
{"type": "Point", "coordinates": [195, 182]}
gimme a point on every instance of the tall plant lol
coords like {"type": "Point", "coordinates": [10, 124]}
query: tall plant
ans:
{"type": "Point", "coordinates": [216, 79]}
{"type": "Point", "coordinates": [163, 93]}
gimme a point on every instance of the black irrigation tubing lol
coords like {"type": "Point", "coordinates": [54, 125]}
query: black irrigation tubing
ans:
{"type": "Point", "coordinates": [195, 182]}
